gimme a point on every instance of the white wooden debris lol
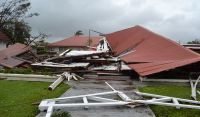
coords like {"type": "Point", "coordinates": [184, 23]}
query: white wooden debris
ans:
{"type": "Point", "coordinates": [168, 101]}
{"type": "Point", "coordinates": [81, 53]}
{"type": "Point", "coordinates": [66, 75]}
{"type": "Point", "coordinates": [194, 88]}
{"type": "Point", "coordinates": [63, 53]}
{"type": "Point", "coordinates": [50, 105]}
{"type": "Point", "coordinates": [59, 65]}
{"type": "Point", "coordinates": [103, 45]}
{"type": "Point", "coordinates": [113, 67]}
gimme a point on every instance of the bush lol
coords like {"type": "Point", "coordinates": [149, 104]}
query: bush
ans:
{"type": "Point", "coordinates": [17, 70]}
{"type": "Point", "coordinates": [43, 71]}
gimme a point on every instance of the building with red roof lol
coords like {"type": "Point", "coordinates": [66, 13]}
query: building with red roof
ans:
{"type": "Point", "coordinates": [151, 53]}
{"type": "Point", "coordinates": [3, 40]}
{"type": "Point", "coordinates": [75, 42]}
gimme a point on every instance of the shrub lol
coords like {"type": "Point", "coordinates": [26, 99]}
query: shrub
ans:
{"type": "Point", "coordinates": [17, 70]}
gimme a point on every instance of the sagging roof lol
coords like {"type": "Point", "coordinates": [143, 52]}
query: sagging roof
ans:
{"type": "Point", "coordinates": [3, 36]}
{"type": "Point", "coordinates": [7, 56]}
{"type": "Point", "coordinates": [77, 41]}
{"type": "Point", "coordinates": [152, 53]}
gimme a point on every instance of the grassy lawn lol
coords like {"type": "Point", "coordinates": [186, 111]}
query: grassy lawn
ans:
{"type": "Point", "coordinates": [175, 91]}
{"type": "Point", "coordinates": [16, 97]}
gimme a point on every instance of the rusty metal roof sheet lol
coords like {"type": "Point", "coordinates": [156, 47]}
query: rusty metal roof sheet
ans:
{"type": "Point", "coordinates": [7, 55]}
{"type": "Point", "coordinates": [153, 53]}
{"type": "Point", "coordinates": [11, 62]}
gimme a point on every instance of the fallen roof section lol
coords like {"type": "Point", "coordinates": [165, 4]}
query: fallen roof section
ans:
{"type": "Point", "coordinates": [153, 53]}
{"type": "Point", "coordinates": [7, 56]}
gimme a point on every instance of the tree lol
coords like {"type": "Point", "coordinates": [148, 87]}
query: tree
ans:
{"type": "Point", "coordinates": [12, 20]}
{"type": "Point", "coordinates": [41, 46]}
{"type": "Point", "coordinates": [78, 33]}
{"type": "Point", "coordinates": [196, 41]}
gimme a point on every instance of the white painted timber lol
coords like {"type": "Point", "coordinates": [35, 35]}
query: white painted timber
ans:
{"type": "Point", "coordinates": [194, 88]}
{"type": "Point", "coordinates": [81, 53]}
{"type": "Point", "coordinates": [49, 111]}
{"type": "Point", "coordinates": [49, 104]}
{"type": "Point", "coordinates": [124, 97]}
{"type": "Point", "coordinates": [100, 99]}
{"type": "Point", "coordinates": [145, 79]}
{"type": "Point", "coordinates": [85, 101]}
{"type": "Point", "coordinates": [63, 53]}
{"type": "Point", "coordinates": [175, 101]}
{"type": "Point", "coordinates": [56, 83]}
{"type": "Point", "coordinates": [58, 65]}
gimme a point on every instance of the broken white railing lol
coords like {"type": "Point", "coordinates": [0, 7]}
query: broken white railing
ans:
{"type": "Point", "coordinates": [64, 76]}
{"type": "Point", "coordinates": [168, 101]}
{"type": "Point", "coordinates": [50, 105]}
{"type": "Point", "coordinates": [194, 88]}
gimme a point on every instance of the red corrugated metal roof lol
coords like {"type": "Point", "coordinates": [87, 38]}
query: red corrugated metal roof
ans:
{"type": "Point", "coordinates": [13, 50]}
{"type": "Point", "coordinates": [76, 41]}
{"type": "Point", "coordinates": [153, 53]}
{"type": "Point", "coordinates": [3, 36]}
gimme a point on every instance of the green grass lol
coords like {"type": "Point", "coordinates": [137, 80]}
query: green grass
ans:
{"type": "Point", "coordinates": [17, 97]}
{"type": "Point", "coordinates": [174, 91]}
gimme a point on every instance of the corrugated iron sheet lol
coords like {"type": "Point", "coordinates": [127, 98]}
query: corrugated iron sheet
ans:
{"type": "Point", "coordinates": [153, 53]}
{"type": "Point", "coordinates": [6, 55]}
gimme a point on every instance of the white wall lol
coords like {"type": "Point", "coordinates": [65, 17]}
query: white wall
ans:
{"type": "Point", "coordinates": [62, 49]}
{"type": "Point", "coordinates": [2, 45]}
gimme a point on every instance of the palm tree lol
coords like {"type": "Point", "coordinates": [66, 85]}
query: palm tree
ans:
{"type": "Point", "coordinates": [78, 33]}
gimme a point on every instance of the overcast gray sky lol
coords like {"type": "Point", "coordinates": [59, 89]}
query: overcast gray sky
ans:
{"type": "Point", "coordinates": [175, 19]}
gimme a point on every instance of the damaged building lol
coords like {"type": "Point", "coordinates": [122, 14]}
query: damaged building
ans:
{"type": "Point", "coordinates": [17, 55]}
{"type": "Point", "coordinates": [136, 50]}
{"type": "Point", "coordinates": [75, 42]}
{"type": "Point", "coordinates": [152, 54]}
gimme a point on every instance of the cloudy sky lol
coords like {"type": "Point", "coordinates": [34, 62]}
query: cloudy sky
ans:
{"type": "Point", "coordinates": [175, 19]}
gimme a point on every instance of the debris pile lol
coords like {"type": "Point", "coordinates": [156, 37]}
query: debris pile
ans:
{"type": "Point", "coordinates": [90, 60]}
{"type": "Point", "coordinates": [73, 63]}
{"type": "Point", "coordinates": [100, 99]}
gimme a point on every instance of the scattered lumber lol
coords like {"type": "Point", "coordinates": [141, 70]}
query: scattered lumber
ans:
{"type": "Point", "coordinates": [64, 76]}
{"type": "Point", "coordinates": [50, 105]}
